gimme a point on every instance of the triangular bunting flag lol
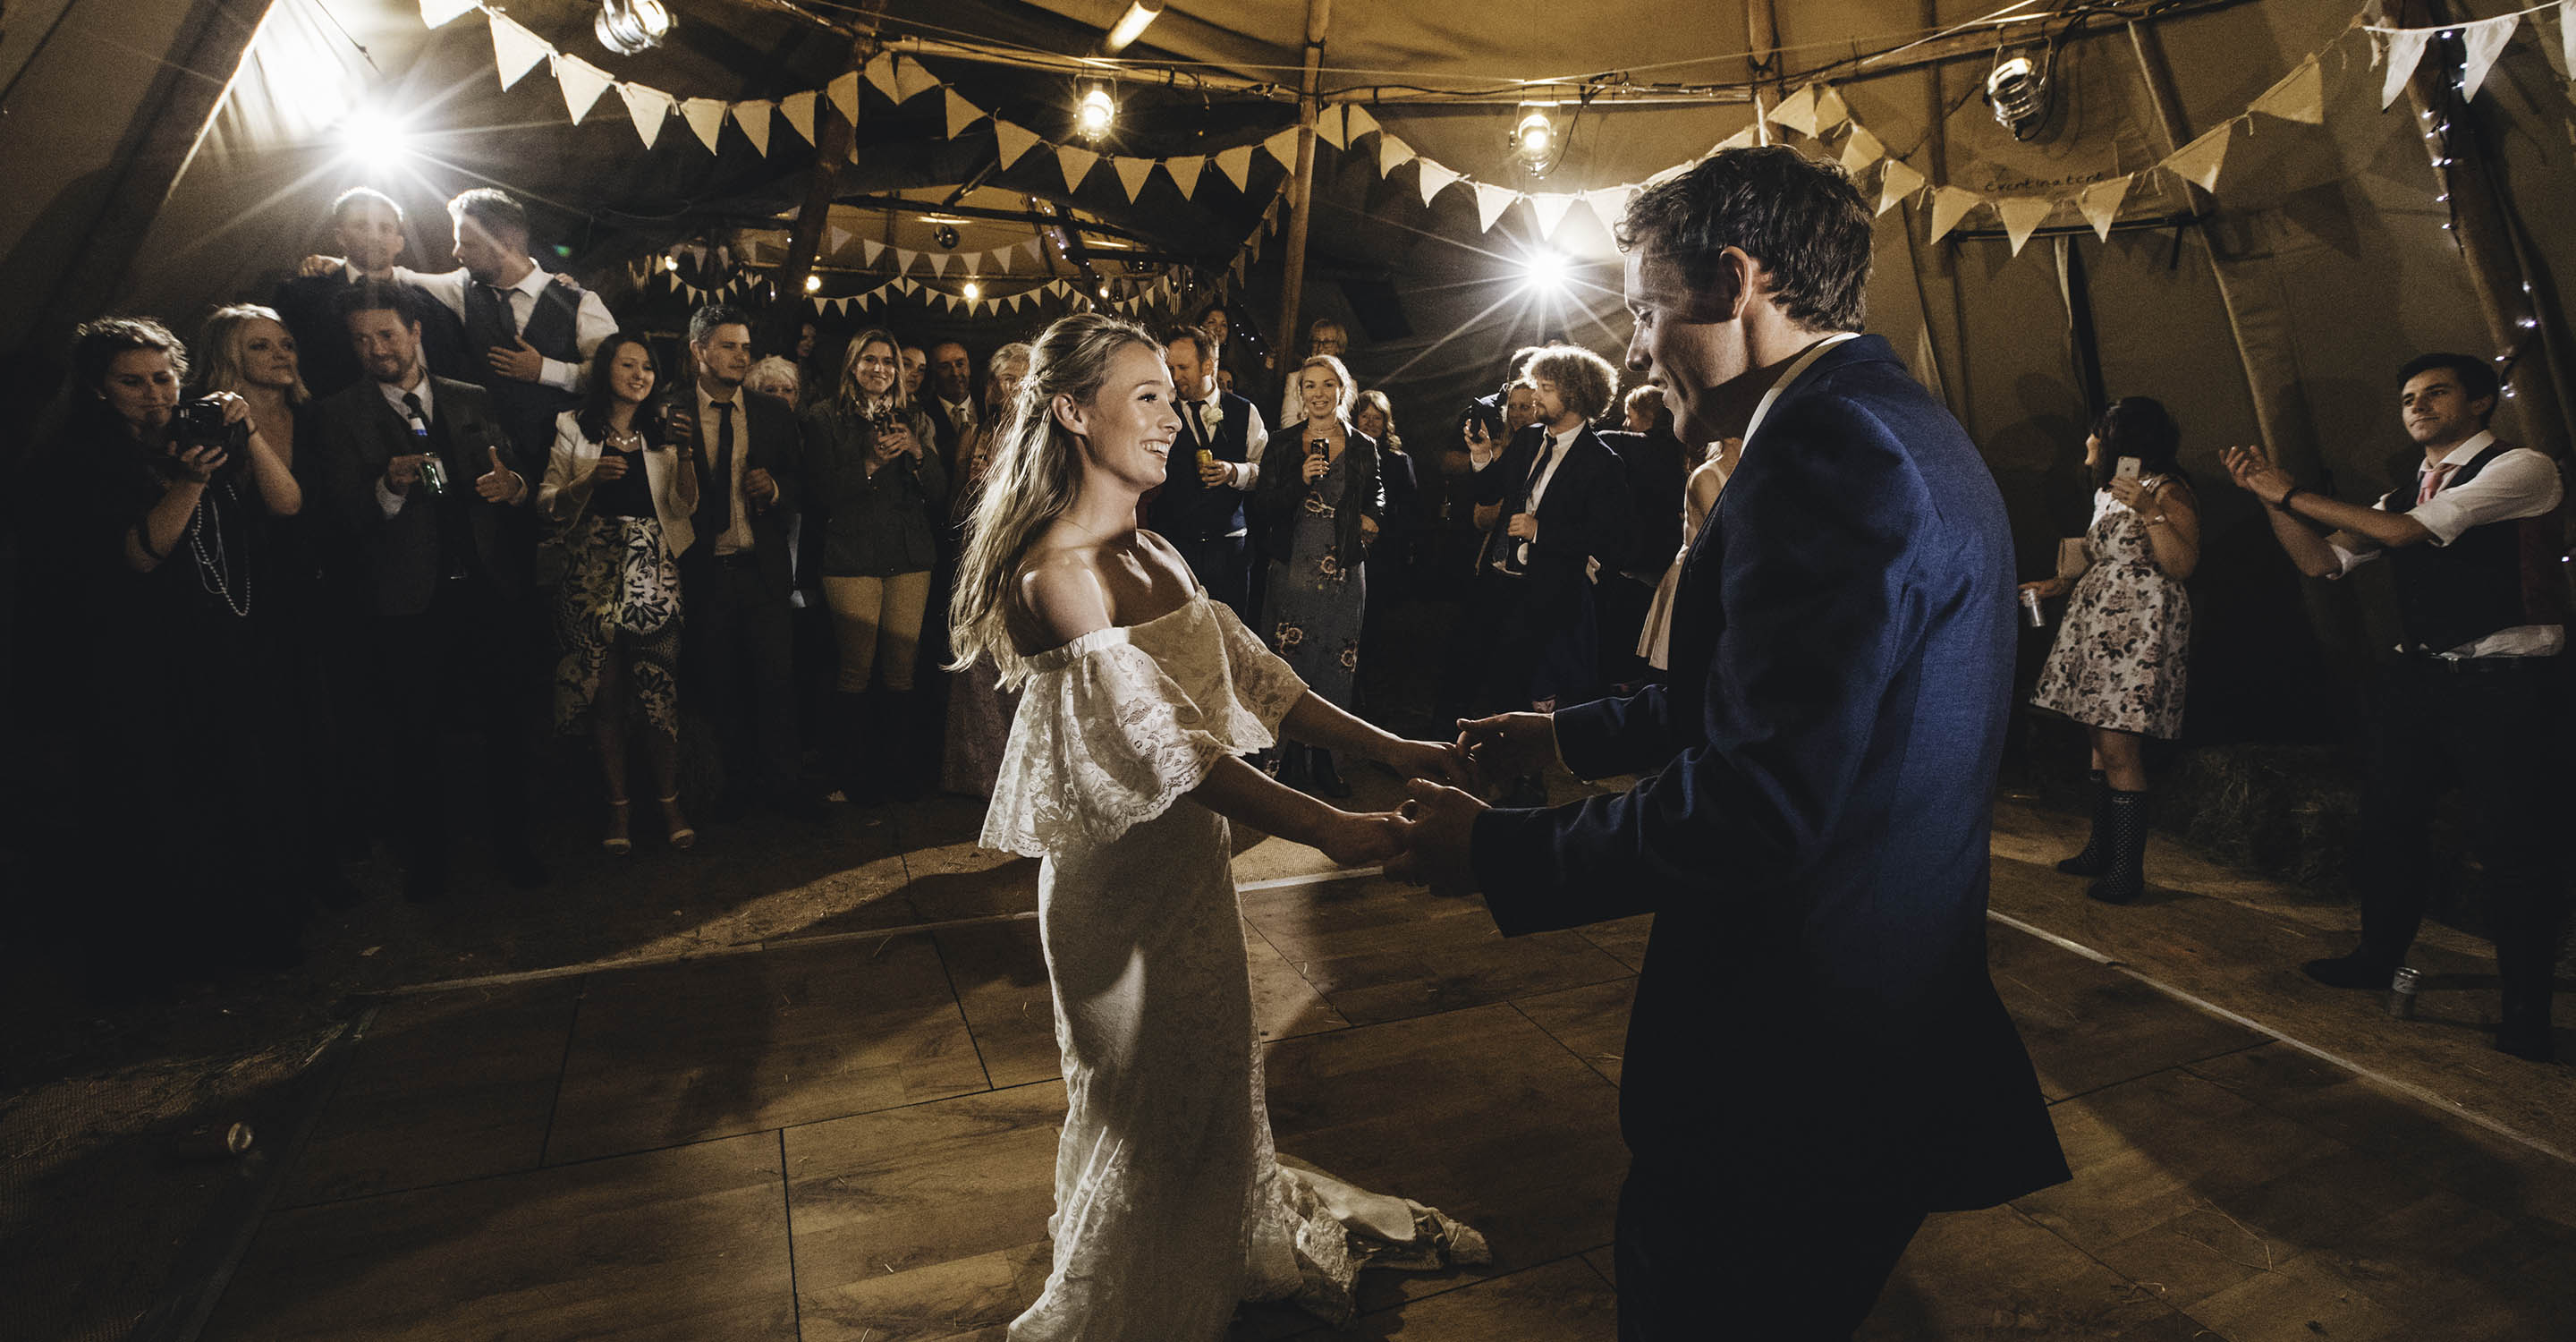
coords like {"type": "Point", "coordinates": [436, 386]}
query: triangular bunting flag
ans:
{"type": "Point", "coordinates": [1037, 247]}
{"type": "Point", "coordinates": [880, 72]}
{"type": "Point", "coordinates": [939, 264]}
{"type": "Point", "coordinates": [2300, 96]}
{"type": "Point", "coordinates": [844, 94]}
{"type": "Point", "coordinates": [961, 113]}
{"type": "Point", "coordinates": [1830, 111]}
{"type": "Point", "coordinates": [1743, 139]}
{"type": "Point", "coordinates": [650, 108]}
{"type": "Point", "coordinates": [1610, 204]}
{"type": "Point", "coordinates": [906, 287]}
{"type": "Point", "coordinates": [754, 119]}
{"type": "Point", "coordinates": [1491, 201]}
{"type": "Point", "coordinates": [1185, 172]}
{"type": "Point", "coordinates": [1949, 206]}
{"type": "Point", "coordinates": [1002, 260]}
{"type": "Point", "coordinates": [1132, 173]}
{"type": "Point", "coordinates": [1897, 183]}
{"type": "Point", "coordinates": [2200, 160]}
{"type": "Point", "coordinates": [1393, 153]}
{"type": "Point", "coordinates": [903, 259]}
{"type": "Point", "coordinates": [1861, 149]}
{"type": "Point", "coordinates": [1012, 140]}
{"type": "Point", "coordinates": [1359, 123]}
{"type": "Point", "coordinates": [869, 250]}
{"type": "Point", "coordinates": [582, 83]}
{"type": "Point", "coordinates": [440, 13]}
{"type": "Point", "coordinates": [2567, 35]}
{"type": "Point", "coordinates": [973, 261]}
{"type": "Point", "coordinates": [835, 238]}
{"type": "Point", "coordinates": [1283, 147]}
{"type": "Point", "coordinates": [705, 116]}
{"type": "Point", "coordinates": [798, 108]}
{"type": "Point", "coordinates": [1236, 164]}
{"type": "Point", "coordinates": [515, 50]}
{"type": "Point", "coordinates": [2480, 44]}
{"type": "Point", "coordinates": [1077, 164]}
{"type": "Point", "coordinates": [2100, 204]}
{"type": "Point", "coordinates": [1797, 111]}
{"type": "Point", "coordinates": [2405, 48]}
{"type": "Point", "coordinates": [1550, 209]}
{"type": "Point", "coordinates": [2022, 216]}
{"type": "Point", "coordinates": [910, 80]}
{"type": "Point", "coordinates": [1328, 127]}
{"type": "Point", "coordinates": [1436, 178]}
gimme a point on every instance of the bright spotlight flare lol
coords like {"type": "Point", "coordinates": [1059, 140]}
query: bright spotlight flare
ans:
{"type": "Point", "coordinates": [1096, 114]}
{"type": "Point", "coordinates": [631, 27]}
{"type": "Point", "coordinates": [1131, 26]}
{"type": "Point", "coordinates": [371, 134]}
{"type": "Point", "coordinates": [1545, 270]}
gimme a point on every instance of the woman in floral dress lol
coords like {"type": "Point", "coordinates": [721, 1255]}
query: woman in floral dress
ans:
{"type": "Point", "coordinates": [1319, 504]}
{"type": "Point", "coordinates": [2121, 658]}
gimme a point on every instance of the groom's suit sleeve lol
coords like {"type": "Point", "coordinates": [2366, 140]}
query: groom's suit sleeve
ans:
{"type": "Point", "coordinates": [1819, 611]}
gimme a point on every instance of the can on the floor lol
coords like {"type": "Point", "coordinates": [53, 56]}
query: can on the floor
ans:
{"type": "Point", "coordinates": [2401, 993]}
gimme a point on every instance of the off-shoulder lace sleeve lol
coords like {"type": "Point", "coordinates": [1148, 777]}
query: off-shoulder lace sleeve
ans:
{"type": "Point", "coordinates": [1263, 681]}
{"type": "Point", "coordinates": [1104, 741]}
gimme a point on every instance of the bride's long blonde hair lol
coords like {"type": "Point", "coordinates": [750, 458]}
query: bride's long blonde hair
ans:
{"type": "Point", "coordinates": [1035, 471]}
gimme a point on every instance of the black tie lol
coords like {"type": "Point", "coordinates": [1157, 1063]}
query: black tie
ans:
{"type": "Point", "coordinates": [722, 494]}
{"type": "Point", "coordinates": [489, 323]}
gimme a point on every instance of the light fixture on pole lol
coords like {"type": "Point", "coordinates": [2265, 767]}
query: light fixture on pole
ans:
{"type": "Point", "coordinates": [1537, 141]}
{"type": "Point", "coordinates": [630, 27]}
{"type": "Point", "coordinates": [1097, 112]}
{"type": "Point", "coordinates": [1131, 25]}
{"type": "Point", "coordinates": [2017, 90]}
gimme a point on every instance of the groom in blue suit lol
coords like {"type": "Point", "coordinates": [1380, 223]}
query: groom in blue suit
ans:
{"type": "Point", "coordinates": [1816, 1058]}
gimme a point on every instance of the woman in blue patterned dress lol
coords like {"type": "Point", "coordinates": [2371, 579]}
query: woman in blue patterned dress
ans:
{"type": "Point", "coordinates": [1320, 502]}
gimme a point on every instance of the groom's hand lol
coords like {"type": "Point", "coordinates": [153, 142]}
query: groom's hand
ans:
{"type": "Point", "coordinates": [1507, 746]}
{"type": "Point", "coordinates": [1443, 819]}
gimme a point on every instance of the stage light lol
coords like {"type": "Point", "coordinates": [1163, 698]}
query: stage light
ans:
{"type": "Point", "coordinates": [1537, 141]}
{"type": "Point", "coordinates": [813, 284]}
{"type": "Point", "coordinates": [946, 237]}
{"type": "Point", "coordinates": [974, 291]}
{"type": "Point", "coordinates": [2017, 91]}
{"type": "Point", "coordinates": [1096, 114]}
{"type": "Point", "coordinates": [630, 27]}
{"type": "Point", "coordinates": [370, 134]}
{"type": "Point", "coordinates": [1545, 270]}
{"type": "Point", "coordinates": [1131, 26]}
{"type": "Point", "coordinates": [670, 263]}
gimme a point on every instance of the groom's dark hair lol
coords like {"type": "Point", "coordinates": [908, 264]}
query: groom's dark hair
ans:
{"type": "Point", "coordinates": [1800, 217]}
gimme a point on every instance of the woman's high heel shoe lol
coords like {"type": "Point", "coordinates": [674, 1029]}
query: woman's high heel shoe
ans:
{"type": "Point", "coordinates": [681, 835]}
{"type": "Point", "coordinates": [617, 843]}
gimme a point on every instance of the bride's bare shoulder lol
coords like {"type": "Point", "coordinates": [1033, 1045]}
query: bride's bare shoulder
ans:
{"type": "Point", "coordinates": [1058, 596]}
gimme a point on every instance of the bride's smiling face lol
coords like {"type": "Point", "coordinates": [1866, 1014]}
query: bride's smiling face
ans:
{"type": "Point", "coordinates": [1126, 431]}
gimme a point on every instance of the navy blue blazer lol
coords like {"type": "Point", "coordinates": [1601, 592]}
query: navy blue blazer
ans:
{"type": "Point", "coordinates": [1814, 1014]}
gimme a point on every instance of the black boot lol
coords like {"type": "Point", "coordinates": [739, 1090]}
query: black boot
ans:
{"type": "Point", "coordinates": [1328, 782]}
{"type": "Point", "coordinates": [2124, 875]}
{"type": "Point", "coordinates": [2094, 859]}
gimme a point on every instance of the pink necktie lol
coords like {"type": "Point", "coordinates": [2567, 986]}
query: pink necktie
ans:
{"type": "Point", "coordinates": [2433, 483]}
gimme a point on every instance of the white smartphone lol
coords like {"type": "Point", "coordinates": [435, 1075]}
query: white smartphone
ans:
{"type": "Point", "coordinates": [2125, 469]}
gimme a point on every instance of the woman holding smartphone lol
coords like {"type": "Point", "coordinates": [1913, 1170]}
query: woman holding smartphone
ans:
{"type": "Point", "coordinates": [2120, 662]}
{"type": "Point", "coordinates": [621, 485]}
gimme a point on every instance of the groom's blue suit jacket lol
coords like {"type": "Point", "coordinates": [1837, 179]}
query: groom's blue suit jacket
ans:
{"type": "Point", "coordinates": [1815, 1012]}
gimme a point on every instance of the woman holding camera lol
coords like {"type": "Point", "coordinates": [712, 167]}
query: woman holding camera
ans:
{"type": "Point", "coordinates": [870, 468]}
{"type": "Point", "coordinates": [2120, 662]}
{"type": "Point", "coordinates": [622, 484]}
{"type": "Point", "coordinates": [1320, 502]}
{"type": "Point", "coordinates": [159, 511]}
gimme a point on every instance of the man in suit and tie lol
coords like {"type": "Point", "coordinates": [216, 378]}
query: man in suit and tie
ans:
{"type": "Point", "coordinates": [952, 402]}
{"type": "Point", "coordinates": [1210, 473]}
{"type": "Point", "coordinates": [1816, 1057]}
{"type": "Point", "coordinates": [369, 228]}
{"type": "Point", "coordinates": [435, 499]}
{"type": "Point", "coordinates": [1550, 504]}
{"type": "Point", "coordinates": [738, 654]}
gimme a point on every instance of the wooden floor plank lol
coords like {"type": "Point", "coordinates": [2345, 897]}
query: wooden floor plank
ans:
{"type": "Point", "coordinates": [1379, 950]}
{"type": "Point", "coordinates": [1590, 1021]}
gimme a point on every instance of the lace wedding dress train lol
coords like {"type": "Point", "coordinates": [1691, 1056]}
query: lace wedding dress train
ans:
{"type": "Point", "coordinates": [1170, 1204]}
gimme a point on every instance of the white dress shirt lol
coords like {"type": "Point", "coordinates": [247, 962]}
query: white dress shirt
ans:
{"type": "Point", "coordinates": [387, 501]}
{"type": "Point", "coordinates": [736, 538]}
{"type": "Point", "coordinates": [1208, 415]}
{"type": "Point", "coordinates": [2519, 483]}
{"type": "Point", "coordinates": [591, 323]}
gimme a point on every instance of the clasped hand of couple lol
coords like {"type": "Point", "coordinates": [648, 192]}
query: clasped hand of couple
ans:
{"type": "Point", "coordinates": [1425, 841]}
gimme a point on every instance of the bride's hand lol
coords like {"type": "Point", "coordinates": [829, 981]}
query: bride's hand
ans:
{"type": "Point", "coordinates": [1363, 839]}
{"type": "Point", "coordinates": [1439, 761]}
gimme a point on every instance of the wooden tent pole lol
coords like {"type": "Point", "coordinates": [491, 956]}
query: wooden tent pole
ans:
{"type": "Point", "coordinates": [1301, 190]}
{"type": "Point", "coordinates": [834, 136]}
{"type": "Point", "coordinates": [2507, 298]}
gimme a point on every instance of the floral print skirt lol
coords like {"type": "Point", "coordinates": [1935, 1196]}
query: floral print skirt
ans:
{"type": "Point", "coordinates": [2122, 655]}
{"type": "Point", "coordinates": [620, 595]}
{"type": "Point", "coordinates": [1315, 604]}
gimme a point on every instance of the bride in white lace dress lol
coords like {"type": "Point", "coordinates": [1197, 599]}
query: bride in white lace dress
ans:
{"type": "Point", "coordinates": [1123, 772]}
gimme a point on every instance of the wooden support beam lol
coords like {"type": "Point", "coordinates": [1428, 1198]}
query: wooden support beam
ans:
{"type": "Point", "coordinates": [1301, 189]}
{"type": "Point", "coordinates": [834, 135]}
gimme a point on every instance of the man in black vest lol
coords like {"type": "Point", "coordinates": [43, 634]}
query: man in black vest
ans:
{"type": "Point", "coordinates": [369, 227]}
{"type": "Point", "coordinates": [951, 406]}
{"type": "Point", "coordinates": [2471, 696]}
{"type": "Point", "coordinates": [1210, 473]}
{"type": "Point", "coordinates": [738, 654]}
{"type": "Point", "coordinates": [529, 334]}
{"type": "Point", "coordinates": [435, 496]}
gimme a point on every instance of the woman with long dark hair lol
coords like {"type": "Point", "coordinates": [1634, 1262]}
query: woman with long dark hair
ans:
{"type": "Point", "coordinates": [2121, 661]}
{"type": "Point", "coordinates": [622, 484]}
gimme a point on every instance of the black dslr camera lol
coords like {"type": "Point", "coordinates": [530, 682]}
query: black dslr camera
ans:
{"type": "Point", "coordinates": [200, 423]}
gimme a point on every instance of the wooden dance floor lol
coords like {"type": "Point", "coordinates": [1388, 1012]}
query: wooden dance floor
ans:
{"type": "Point", "coordinates": [840, 1132]}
